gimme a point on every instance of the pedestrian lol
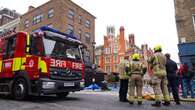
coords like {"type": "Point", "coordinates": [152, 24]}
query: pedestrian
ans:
{"type": "Point", "coordinates": [171, 69]}
{"type": "Point", "coordinates": [180, 77]}
{"type": "Point", "coordinates": [136, 72]}
{"type": "Point", "coordinates": [123, 76]}
{"type": "Point", "coordinates": [192, 82]}
{"type": "Point", "coordinates": [158, 78]}
{"type": "Point", "coordinates": [186, 86]}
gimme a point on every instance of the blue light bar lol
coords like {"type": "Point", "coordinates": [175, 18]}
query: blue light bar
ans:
{"type": "Point", "coordinates": [46, 28]}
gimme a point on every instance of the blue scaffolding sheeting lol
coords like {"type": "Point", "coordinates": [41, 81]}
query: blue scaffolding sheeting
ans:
{"type": "Point", "coordinates": [187, 53]}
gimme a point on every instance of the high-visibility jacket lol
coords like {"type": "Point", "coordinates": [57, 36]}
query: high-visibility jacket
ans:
{"type": "Point", "coordinates": [137, 67]}
{"type": "Point", "coordinates": [123, 74]}
{"type": "Point", "coordinates": [158, 62]}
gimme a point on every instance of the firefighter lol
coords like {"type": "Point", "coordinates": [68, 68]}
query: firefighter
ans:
{"type": "Point", "coordinates": [123, 79]}
{"type": "Point", "coordinates": [136, 72]}
{"type": "Point", "coordinates": [158, 78]}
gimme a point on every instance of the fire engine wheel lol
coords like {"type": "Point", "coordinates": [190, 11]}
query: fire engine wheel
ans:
{"type": "Point", "coordinates": [20, 89]}
{"type": "Point", "coordinates": [62, 95]}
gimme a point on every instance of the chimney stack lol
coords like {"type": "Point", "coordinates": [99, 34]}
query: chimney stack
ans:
{"type": "Point", "coordinates": [30, 8]}
{"type": "Point", "coordinates": [122, 47]}
{"type": "Point", "coordinates": [131, 40]}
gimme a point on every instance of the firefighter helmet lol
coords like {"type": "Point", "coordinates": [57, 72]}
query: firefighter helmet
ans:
{"type": "Point", "coordinates": [136, 56]}
{"type": "Point", "coordinates": [157, 48]}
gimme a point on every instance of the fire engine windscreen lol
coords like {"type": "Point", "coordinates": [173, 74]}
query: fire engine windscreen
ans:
{"type": "Point", "coordinates": [57, 48]}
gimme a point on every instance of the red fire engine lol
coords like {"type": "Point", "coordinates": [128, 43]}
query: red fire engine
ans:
{"type": "Point", "coordinates": [45, 62]}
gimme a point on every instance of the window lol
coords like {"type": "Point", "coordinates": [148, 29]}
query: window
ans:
{"type": "Point", "coordinates": [116, 68]}
{"type": "Point", "coordinates": [121, 59]}
{"type": "Point", "coordinates": [110, 31]}
{"type": "Point", "coordinates": [56, 48]}
{"type": "Point", "coordinates": [182, 39]}
{"type": "Point", "coordinates": [50, 13]}
{"type": "Point", "coordinates": [107, 50]}
{"type": "Point", "coordinates": [11, 47]}
{"type": "Point", "coordinates": [87, 24]}
{"type": "Point", "coordinates": [87, 37]}
{"type": "Point", "coordinates": [107, 69]}
{"type": "Point", "coordinates": [80, 34]}
{"type": "Point", "coordinates": [11, 13]}
{"type": "Point", "coordinates": [26, 23]}
{"type": "Point", "coordinates": [107, 59]}
{"type": "Point", "coordinates": [115, 49]}
{"type": "Point", "coordinates": [115, 58]}
{"type": "Point", "coordinates": [3, 47]}
{"type": "Point", "coordinates": [36, 46]}
{"type": "Point", "coordinates": [71, 14]}
{"type": "Point", "coordinates": [86, 55]}
{"type": "Point", "coordinates": [97, 60]}
{"type": "Point", "coordinates": [70, 29]}
{"type": "Point", "coordinates": [80, 19]}
{"type": "Point", "coordinates": [98, 52]}
{"type": "Point", "coordinates": [193, 2]}
{"type": "Point", "coordinates": [37, 19]}
{"type": "Point", "coordinates": [193, 19]}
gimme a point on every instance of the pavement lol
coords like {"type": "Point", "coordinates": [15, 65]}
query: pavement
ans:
{"type": "Point", "coordinates": [84, 100]}
{"type": "Point", "coordinates": [114, 92]}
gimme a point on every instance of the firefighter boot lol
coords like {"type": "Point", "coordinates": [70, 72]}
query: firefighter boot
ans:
{"type": "Point", "coordinates": [139, 102]}
{"type": "Point", "coordinates": [123, 100]}
{"type": "Point", "coordinates": [131, 102]}
{"type": "Point", "coordinates": [178, 103]}
{"type": "Point", "coordinates": [156, 104]}
{"type": "Point", "coordinates": [166, 103]}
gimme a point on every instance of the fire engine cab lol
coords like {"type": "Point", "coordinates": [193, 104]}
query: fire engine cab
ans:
{"type": "Point", "coordinates": [44, 62]}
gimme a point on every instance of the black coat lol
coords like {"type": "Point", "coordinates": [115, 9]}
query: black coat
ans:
{"type": "Point", "coordinates": [171, 68]}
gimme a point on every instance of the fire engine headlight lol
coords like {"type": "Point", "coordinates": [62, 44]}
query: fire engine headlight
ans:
{"type": "Point", "coordinates": [82, 83]}
{"type": "Point", "coordinates": [48, 85]}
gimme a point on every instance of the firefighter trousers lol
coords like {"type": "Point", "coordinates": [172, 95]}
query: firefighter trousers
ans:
{"type": "Point", "coordinates": [135, 83]}
{"type": "Point", "coordinates": [160, 86]}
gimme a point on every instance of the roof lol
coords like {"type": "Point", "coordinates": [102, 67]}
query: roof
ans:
{"type": "Point", "coordinates": [56, 0]}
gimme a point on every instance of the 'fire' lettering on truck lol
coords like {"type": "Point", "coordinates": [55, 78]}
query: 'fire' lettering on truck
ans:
{"type": "Point", "coordinates": [77, 66]}
{"type": "Point", "coordinates": [65, 64]}
{"type": "Point", "coordinates": [58, 63]}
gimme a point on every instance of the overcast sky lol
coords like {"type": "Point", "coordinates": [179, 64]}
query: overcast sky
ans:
{"type": "Point", "coordinates": [151, 21]}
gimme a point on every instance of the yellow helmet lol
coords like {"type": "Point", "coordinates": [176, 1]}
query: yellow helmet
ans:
{"type": "Point", "coordinates": [157, 48]}
{"type": "Point", "coordinates": [136, 56]}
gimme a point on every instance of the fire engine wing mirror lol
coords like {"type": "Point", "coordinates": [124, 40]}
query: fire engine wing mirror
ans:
{"type": "Point", "coordinates": [4, 55]}
{"type": "Point", "coordinates": [27, 49]}
{"type": "Point", "coordinates": [28, 44]}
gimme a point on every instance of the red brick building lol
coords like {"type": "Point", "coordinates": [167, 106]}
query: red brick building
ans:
{"type": "Point", "coordinates": [115, 47]}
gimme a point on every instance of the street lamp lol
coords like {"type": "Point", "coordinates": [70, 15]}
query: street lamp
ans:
{"type": "Point", "coordinates": [93, 66]}
{"type": "Point", "coordinates": [93, 44]}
